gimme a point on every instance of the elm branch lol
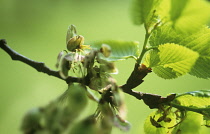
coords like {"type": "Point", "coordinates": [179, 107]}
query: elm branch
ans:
{"type": "Point", "coordinates": [135, 79]}
{"type": "Point", "coordinates": [39, 66]}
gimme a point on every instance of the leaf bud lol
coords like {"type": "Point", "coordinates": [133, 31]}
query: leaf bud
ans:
{"type": "Point", "coordinates": [75, 43]}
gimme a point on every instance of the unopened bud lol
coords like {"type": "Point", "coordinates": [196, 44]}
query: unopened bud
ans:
{"type": "Point", "coordinates": [75, 43]}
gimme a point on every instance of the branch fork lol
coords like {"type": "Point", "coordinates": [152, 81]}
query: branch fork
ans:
{"type": "Point", "coordinates": [135, 79]}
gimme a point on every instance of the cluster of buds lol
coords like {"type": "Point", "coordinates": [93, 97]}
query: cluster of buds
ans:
{"type": "Point", "coordinates": [71, 59]}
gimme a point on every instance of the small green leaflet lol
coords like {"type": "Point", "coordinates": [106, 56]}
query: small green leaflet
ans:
{"type": "Point", "coordinates": [165, 34]}
{"type": "Point", "coordinates": [120, 50]}
{"type": "Point", "coordinates": [149, 12]}
{"type": "Point", "coordinates": [153, 126]}
{"type": "Point", "coordinates": [184, 15]}
{"type": "Point", "coordinates": [141, 10]}
{"type": "Point", "coordinates": [171, 60]}
{"type": "Point", "coordinates": [189, 15]}
{"type": "Point", "coordinates": [198, 42]}
{"type": "Point", "coordinates": [177, 8]}
{"type": "Point", "coordinates": [192, 124]}
{"type": "Point", "coordinates": [195, 99]}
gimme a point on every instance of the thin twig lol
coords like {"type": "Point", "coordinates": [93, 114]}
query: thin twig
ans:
{"type": "Point", "coordinates": [39, 66]}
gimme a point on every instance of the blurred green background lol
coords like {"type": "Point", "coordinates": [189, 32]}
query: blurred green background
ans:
{"type": "Point", "coordinates": [37, 29]}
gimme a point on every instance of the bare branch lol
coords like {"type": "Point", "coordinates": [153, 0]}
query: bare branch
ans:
{"type": "Point", "coordinates": [151, 100]}
{"type": "Point", "coordinates": [39, 66]}
{"type": "Point", "coordinates": [135, 79]}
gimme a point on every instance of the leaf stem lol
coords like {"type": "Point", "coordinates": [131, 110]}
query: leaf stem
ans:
{"type": "Point", "coordinates": [197, 110]}
{"type": "Point", "coordinates": [144, 48]}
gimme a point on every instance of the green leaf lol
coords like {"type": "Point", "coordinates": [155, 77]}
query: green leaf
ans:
{"type": "Point", "coordinates": [198, 42]}
{"type": "Point", "coordinates": [198, 99]}
{"type": "Point", "coordinates": [189, 15]}
{"type": "Point", "coordinates": [120, 50]}
{"type": "Point", "coordinates": [141, 9]}
{"type": "Point", "coordinates": [201, 68]}
{"type": "Point", "coordinates": [153, 126]}
{"type": "Point", "coordinates": [171, 60]}
{"type": "Point", "coordinates": [165, 34]}
{"type": "Point", "coordinates": [207, 121]}
{"type": "Point", "coordinates": [177, 8]}
{"type": "Point", "coordinates": [190, 125]}
{"type": "Point", "coordinates": [149, 12]}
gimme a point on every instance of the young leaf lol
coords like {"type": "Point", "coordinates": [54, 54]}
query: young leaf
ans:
{"type": "Point", "coordinates": [177, 8]}
{"type": "Point", "coordinates": [165, 34]}
{"type": "Point", "coordinates": [190, 125]}
{"type": "Point", "coordinates": [141, 9]}
{"type": "Point", "coordinates": [206, 121]}
{"type": "Point", "coordinates": [201, 68]}
{"type": "Point", "coordinates": [153, 126]}
{"type": "Point", "coordinates": [198, 42]}
{"type": "Point", "coordinates": [196, 99]}
{"type": "Point", "coordinates": [184, 14]}
{"type": "Point", "coordinates": [171, 60]}
{"type": "Point", "coordinates": [149, 12]}
{"type": "Point", "coordinates": [119, 49]}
